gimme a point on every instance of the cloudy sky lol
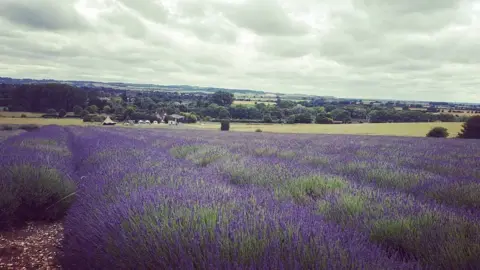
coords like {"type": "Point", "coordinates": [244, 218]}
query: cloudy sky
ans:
{"type": "Point", "coordinates": [409, 49]}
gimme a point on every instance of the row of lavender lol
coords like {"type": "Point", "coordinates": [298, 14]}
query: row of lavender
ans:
{"type": "Point", "coordinates": [147, 201]}
{"type": "Point", "coordinates": [37, 180]}
{"type": "Point", "coordinates": [371, 191]}
{"type": "Point", "coordinates": [177, 199]}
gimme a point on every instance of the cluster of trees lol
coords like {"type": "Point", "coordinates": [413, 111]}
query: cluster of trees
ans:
{"type": "Point", "coordinates": [470, 130]}
{"type": "Point", "coordinates": [57, 99]}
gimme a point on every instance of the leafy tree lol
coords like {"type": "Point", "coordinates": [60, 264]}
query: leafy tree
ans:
{"type": "Point", "coordinates": [329, 108]}
{"type": "Point", "coordinates": [471, 128]}
{"type": "Point", "coordinates": [438, 132]}
{"type": "Point", "coordinates": [222, 98]}
{"type": "Point", "coordinates": [77, 110]}
{"type": "Point", "coordinates": [341, 115]}
{"type": "Point", "coordinates": [189, 117]}
{"type": "Point", "coordinates": [323, 119]}
{"type": "Point", "coordinates": [92, 109]}
{"type": "Point", "coordinates": [129, 111]}
{"type": "Point", "coordinates": [267, 118]}
{"type": "Point", "coordinates": [107, 109]}
{"type": "Point", "coordinates": [62, 113]}
{"type": "Point", "coordinates": [446, 117]}
{"type": "Point", "coordinates": [223, 113]}
{"type": "Point", "coordinates": [83, 113]}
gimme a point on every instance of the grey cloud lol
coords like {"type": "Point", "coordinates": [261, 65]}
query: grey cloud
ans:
{"type": "Point", "coordinates": [151, 9]}
{"type": "Point", "coordinates": [348, 48]}
{"type": "Point", "coordinates": [47, 15]}
{"type": "Point", "coordinates": [265, 17]}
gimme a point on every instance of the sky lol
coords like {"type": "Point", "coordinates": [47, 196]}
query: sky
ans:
{"type": "Point", "coordinates": [384, 49]}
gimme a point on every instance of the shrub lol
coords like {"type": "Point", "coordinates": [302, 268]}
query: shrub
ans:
{"type": "Point", "coordinates": [438, 132]}
{"type": "Point", "coordinates": [23, 115]}
{"type": "Point", "coordinates": [34, 193]}
{"type": "Point", "coordinates": [62, 113]}
{"type": "Point", "coordinates": [225, 125]}
{"type": "Point", "coordinates": [258, 130]}
{"type": "Point", "coordinates": [471, 128]}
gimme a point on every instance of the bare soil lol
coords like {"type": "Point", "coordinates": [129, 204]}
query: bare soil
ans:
{"type": "Point", "coordinates": [34, 246]}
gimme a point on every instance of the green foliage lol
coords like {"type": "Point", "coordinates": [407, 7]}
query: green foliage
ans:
{"type": "Point", "coordinates": [222, 98]}
{"type": "Point", "coordinates": [92, 109]}
{"type": "Point", "coordinates": [23, 115]}
{"type": "Point", "coordinates": [62, 113]}
{"type": "Point", "coordinates": [267, 118]}
{"type": "Point", "coordinates": [83, 113]}
{"type": "Point", "coordinates": [107, 109]}
{"type": "Point", "coordinates": [309, 188]}
{"type": "Point", "coordinates": [200, 155]}
{"type": "Point", "coordinates": [341, 115]}
{"type": "Point", "coordinates": [33, 193]}
{"type": "Point", "coordinates": [438, 132]}
{"type": "Point", "coordinates": [458, 194]}
{"type": "Point", "coordinates": [183, 151]}
{"type": "Point", "coordinates": [223, 113]}
{"type": "Point", "coordinates": [225, 125]}
{"type": "Point", "coordinates": [93, 118]}
{"type": "Point", "coordinates": [323, 119]}
{"type": "Point", "coordinates": [258, 130]}
{"type": "Point", "coordinates": [77, 110]}
{"type": "Point", "coordinates": [189, 117]}
{"type": "Point", "coordinates": [471, 128]}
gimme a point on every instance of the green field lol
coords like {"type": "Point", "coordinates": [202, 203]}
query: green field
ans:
{"type": "Point", "coordinates": [395, 129]}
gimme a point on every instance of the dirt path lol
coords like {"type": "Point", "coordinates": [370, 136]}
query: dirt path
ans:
{"type": "Point", "coordinates": [34, 246]}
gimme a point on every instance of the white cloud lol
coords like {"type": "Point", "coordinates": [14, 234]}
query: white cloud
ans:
{"type": "Point", "coordinates": [408, 49]}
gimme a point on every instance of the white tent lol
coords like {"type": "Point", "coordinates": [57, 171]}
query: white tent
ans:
{"type": "Point", "coordinates": [108, 122]}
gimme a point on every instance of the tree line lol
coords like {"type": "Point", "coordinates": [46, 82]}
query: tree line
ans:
{"type": "Point", "coordinates": [57, 99]}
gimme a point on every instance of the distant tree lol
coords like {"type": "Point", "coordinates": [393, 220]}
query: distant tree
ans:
{"type": "Point", "coordinates": [267, 118]}
{"type": "Point", "coordinates": [323, 119]}
{"type": "Point", "coordinates": [129, 111]}
{"type": "Point", "coordinates": [124, 96]}
{"type": "Point", "coordinates": [405, 108]}
{"type": "Point", "coordinates": [305, 118]}
{"type": "Point", "coordinates": [446, 117]}
{"type": "Point", "coordinates": [62, 113]}
{"type": "Point", "coordinates": [222, 98]}
{"type": "Point", "coordinates": [223, 113]}
{"type": "Point", "coordinates": [107, 109]}
{"type": "Point", "coordinates": [329, 108]}
{"type": "Point", "coordinates": [438, 132]}
{"type": "Point", "coordinates": [51, 112]}
{"type": "Point", "coordinates": [77, 110]}
{"type": "Point", "coordinates": [92, 108]}
{"type": "Point", "coordinates": [471, 128]}
{"type": "Point", "coordinates": [341, 115]}
{"type": "Point", "coordinates": [83, 113]}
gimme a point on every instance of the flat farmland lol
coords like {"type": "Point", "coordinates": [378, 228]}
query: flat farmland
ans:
{"type": "Point", "coordinates": [177, 199]}
{"type": "Point", "coordinates": [388, 129]}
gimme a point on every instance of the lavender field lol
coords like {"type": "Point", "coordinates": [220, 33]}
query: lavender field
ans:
{"type": "Point", "coordinates": [188, 199]}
